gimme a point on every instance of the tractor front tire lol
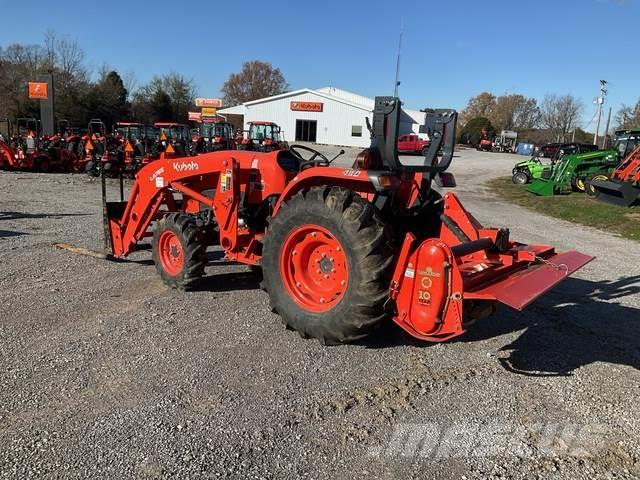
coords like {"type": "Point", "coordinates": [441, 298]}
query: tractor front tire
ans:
{"type": "Point", "coordinates": [326, 265]}
{"type": "Point", "coordinates": [179, 251]}
{"type": "Point", "coordinates": [590, 189]}
{"type": "Point", "coordinates": [577, 184]}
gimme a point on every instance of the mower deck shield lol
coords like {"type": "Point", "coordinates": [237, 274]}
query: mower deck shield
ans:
{"type": "Point", "coordinates": [520, 288]}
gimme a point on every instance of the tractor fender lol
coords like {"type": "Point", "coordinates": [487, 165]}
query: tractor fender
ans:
{"type": "Point", "coordinates": [362, 182]}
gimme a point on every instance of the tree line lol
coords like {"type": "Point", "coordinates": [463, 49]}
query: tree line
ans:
{"type": "Point", "coordinates": [554, 118]}
{"type": "Point", "coordinates": [112, 96]}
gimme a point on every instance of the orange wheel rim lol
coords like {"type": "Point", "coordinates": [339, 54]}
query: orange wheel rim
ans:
{"type": "Point", "coordinates": [314, 268]}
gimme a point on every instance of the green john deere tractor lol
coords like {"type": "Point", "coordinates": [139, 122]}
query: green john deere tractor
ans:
{"type": "Point", "coordinates": [534, 168]}
{"type": "Point", "coordinates": [573, 172]}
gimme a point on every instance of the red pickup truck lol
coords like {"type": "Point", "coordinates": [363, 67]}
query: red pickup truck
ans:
{"type": "Point", "coordinates": [412, 143]}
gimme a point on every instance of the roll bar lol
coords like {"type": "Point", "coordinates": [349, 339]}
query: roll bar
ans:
{"type": "Point", "coordinates": [384, 136]}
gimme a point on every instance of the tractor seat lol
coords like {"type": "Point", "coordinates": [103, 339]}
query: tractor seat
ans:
{"type": "Point", "coordinates": [288, 161]}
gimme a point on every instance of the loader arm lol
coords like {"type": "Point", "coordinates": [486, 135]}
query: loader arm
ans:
{"type": "Point", "coordinates": [126, 223]}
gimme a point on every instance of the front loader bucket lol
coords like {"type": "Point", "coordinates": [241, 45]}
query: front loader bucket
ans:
{"type": "Point", "coordinates": [111, 211]}
{"type": "Point", "coordinates": [616, 193]}
{"type": "Point", "coordinates": [542, 187]}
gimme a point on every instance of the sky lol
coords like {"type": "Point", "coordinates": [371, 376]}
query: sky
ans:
{"type": "Point", "coordinates": [451, 49]}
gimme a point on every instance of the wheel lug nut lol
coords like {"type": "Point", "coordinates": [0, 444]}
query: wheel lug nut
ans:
{"type": "Point", "coordinates": [298, 284]}
{"type": "Point", "coordinates": [326, 276]}
{"type": "Point", "coordinates": [294, 253]}
{"type": "Point", "coordinates": [343, 283]}
{"type": "Point", "coordinates": [322, 300]}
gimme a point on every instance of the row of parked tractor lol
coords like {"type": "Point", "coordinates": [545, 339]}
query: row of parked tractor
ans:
{"type": "Point", "coordinates": [127, 148]}
{"type": "Point", "coordinates": [612, 175]}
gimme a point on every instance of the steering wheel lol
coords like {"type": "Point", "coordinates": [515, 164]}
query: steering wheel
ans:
{"type": "Point", "coordinates": [317, 159]}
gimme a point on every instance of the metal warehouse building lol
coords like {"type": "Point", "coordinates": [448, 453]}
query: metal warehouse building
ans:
{"type": "Point", "coordinates": [326, 115]}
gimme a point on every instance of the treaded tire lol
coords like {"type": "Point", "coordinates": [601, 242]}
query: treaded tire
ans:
{"type": "Point", "coordinates": [193, 250]}
{"type": "Point", "coordinates": [588, 188]}
{"type": "Point", "coordinates": [520, 178]}
{"type": "Point", "coordinates": [356, 225]}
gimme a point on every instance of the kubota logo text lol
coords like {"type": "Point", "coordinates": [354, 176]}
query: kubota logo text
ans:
{"type": "Point", "coordinates": [186, 167]}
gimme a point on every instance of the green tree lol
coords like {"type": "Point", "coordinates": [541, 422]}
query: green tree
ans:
{"type": "Point", "coordinates": [107, 99]}
{"type": "Point", "coordinates": [164, 98]}
{"type": "Point", "coordinates": [472, 131]}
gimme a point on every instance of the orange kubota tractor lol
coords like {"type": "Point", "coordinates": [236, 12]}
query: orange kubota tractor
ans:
{"type": "Point", "coordinates": [341, 249]}
{"type": "Point", "coordinates": [622, 186]}
{"type": "Point", "coordinates": [263, 137]}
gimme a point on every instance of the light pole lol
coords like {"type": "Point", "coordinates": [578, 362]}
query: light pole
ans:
{"type": "Point", "coordinates": [600, 100]}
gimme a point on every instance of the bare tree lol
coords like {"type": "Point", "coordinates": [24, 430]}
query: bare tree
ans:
{"type": "Point", "coordinates": [515, 112]}
{"type": "Point", "coordinates": [256, 80]}
{"type": "Point", "coordinates": [561, 114]}
{"type": "Point", "coordinates": [130, 81]}
{"type": "Point", "coordinates": [628, 116]}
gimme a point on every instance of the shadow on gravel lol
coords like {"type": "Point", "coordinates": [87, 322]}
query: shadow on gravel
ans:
{"type": "Point", "coordinates": [577, 324]}
{"type": "Point", "coordinates": [233, 281]}
{"type": "Point", "coordinates": [9, 233]}
{"type": "Point", "coordinates": [20, 215]}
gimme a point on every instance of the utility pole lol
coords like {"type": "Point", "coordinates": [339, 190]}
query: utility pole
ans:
{"type": "Point", "coordinates": [606, 130]}
{"type": "Point", "coordinates": [397, 83]}
{"type": "Point", "coordinates": [600, 100]}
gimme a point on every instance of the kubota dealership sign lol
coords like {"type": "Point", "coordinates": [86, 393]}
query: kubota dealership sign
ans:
{"type": "Point", "coordinates": [306, 106]}
{"type": "Point", "coordinates": [208, 102]}
{"type": "Point", "coordinates": [39, 90]}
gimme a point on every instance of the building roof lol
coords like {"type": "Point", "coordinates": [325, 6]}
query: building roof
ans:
{"type": "Point", "coordinates": [330, 93]}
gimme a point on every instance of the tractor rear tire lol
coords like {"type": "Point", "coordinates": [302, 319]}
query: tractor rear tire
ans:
{"type": "Point", "coordinates": [520, 178]}
{"type": "Point", "coordinates": [179, 251]}
{"type": "Point", "coordinates": [326, 263]}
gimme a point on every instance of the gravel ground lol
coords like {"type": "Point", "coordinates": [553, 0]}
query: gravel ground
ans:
{"type": "Point", "coordinates": [105, 373]}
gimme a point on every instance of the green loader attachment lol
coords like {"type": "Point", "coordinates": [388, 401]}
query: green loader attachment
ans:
{"type": "Point", "coordinates": [572, 171]}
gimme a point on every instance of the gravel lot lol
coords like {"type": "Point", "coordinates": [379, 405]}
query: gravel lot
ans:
{"type": "Point", "coordinates": [105, 373]}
